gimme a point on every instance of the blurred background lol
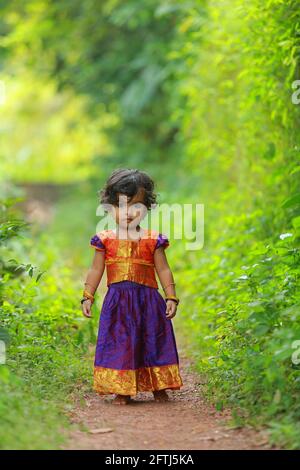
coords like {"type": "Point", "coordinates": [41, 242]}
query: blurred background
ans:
{"type": "Point", "coordinates": [197, 93]}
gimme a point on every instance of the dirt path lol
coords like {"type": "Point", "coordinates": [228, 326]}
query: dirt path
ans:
{"type": "Point", "coordinates": [186, 422]}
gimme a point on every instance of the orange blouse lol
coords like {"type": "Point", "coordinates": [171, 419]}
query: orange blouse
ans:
{"type": "Point", "coordinates": [129, 259]}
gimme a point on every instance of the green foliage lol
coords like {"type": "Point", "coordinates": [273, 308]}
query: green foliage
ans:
{"type": "Point", "coordinates": [239, 128]}
{"type": "Point", "coordinates": [244, 325]}
{"type": "Point", "coordinates": [46, 339]}
{"type": "Point", "coordinates": [47, 135]}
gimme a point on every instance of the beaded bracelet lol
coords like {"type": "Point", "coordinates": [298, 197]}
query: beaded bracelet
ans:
{"type": "Point", "coordinates": [172, 297]}
{"type": "Point", "coordinates": [88, 295]}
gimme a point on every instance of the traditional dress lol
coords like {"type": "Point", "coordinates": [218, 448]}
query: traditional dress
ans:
{"type": "Point", "coordinates": [136, 347]}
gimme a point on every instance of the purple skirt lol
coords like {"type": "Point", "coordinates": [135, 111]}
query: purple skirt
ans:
{"type": "Point", "coordinates": [136, 347]}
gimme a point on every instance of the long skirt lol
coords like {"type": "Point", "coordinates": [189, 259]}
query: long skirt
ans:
{"type": "Point", "coordinates": [136, 347]}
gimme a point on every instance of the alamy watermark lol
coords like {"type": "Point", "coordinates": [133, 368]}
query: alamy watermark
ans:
{"type": "Point", "coordinates": [296, 94]}
{"type": "Point", "coordinates": [4, 340]}
{"type": "Point", "coordinates": [185, 220]}
{"type": "Point", "coordinates": [2, 352]}
{"type": "Point", "coordinates": [296, 354]}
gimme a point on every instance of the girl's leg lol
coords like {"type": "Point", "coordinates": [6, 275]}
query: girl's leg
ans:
{"type": "Point", "coordinates": [160, 395]}
{"type": "Point", "coordinates": [121, 400]}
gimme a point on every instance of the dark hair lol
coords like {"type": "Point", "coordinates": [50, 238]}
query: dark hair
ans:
{"type": "Point", "coordinates": [128, 181]}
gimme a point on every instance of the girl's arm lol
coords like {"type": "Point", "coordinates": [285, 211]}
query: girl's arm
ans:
{"type": "Point", "coordinates": [93, 278]}
{"type": "Point", "coordinates": [164, 271]}
{"type": "Point", "coordinates": [166, 279]}
{"type": "Point", "coordinates": [95, 273]}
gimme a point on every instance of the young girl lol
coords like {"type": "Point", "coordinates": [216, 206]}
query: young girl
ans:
{"type": "Point", "coordinates": [136, 347]}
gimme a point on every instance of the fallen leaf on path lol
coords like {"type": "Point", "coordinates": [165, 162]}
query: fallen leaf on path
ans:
{"type": "Point", "coordinates": [208, 438]}
{"type": "Point", "coordinates": [100, 430]}
{"type": "Point", "coordinates": [213, 438]}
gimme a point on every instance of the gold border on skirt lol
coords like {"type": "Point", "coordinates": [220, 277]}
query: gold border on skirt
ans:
{"type": "Point", "coordinates": [130, 382]}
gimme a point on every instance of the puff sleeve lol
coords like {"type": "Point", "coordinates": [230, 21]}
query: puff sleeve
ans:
{"type": "Point", "coordinates": [97, 243]}
{"type": "Point", "coordinates": [162, 240]}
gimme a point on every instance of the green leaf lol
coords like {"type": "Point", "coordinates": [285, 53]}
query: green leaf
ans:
{"type": "Point", "coordinates": [270, 152]}
{"type": "Point", "coordinates": [296, 222]}
{"type": "Point", "coordinates": [291, 201]}
{"type": "Point", "coordinates": [219, 406]}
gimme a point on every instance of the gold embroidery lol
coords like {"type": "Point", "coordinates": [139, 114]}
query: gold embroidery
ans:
{"type": "Point", "coordinates": [129, 382]}
{"type": "Point", "coordinates": [130, 260]}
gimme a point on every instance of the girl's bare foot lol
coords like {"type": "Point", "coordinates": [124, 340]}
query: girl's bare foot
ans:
{"type": "Point", "coordinates": [160, 395]}
{"type": "Point", "coordinates": [121, 400]}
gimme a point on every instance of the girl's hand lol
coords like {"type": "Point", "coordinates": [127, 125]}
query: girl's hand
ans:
{"type": "Point", "coordinates": [171, 309]}
{"type": "Point", "coordinates": [86, 308]}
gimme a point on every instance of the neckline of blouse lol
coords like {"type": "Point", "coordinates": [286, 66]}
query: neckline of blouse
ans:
{"type": "Point", "coordinates": [145, 233]}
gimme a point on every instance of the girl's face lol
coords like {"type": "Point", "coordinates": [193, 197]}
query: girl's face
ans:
{"type": "Point", "coordinates": [129, 213]}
